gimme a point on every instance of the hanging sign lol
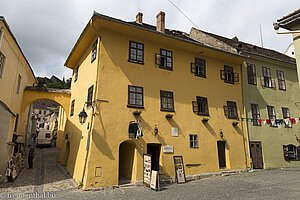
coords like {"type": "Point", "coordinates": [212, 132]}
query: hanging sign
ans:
{"type": "Point", "coordinates": [179, 169]}
{"type": "Point", "coordinates": [147, 169]}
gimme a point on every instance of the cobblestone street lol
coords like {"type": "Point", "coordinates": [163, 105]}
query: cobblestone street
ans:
{"type": "Point", "coordinates": [47, 175]}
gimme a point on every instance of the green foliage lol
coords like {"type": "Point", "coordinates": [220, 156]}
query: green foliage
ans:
{"type": "Point", "coordinates": [43, 82]}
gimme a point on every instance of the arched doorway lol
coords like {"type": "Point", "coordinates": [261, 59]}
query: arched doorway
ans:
{"type": "Point", "coordinates": [126, 158]}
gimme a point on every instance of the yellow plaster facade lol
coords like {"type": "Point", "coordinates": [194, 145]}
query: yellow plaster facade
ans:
{"type": "Point", "coordinates": [102, 142]}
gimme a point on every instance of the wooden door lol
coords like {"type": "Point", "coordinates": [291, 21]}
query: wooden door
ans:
{"type": "Point", "coordinates": [256, 155]}
{"type": "Point", "coordinates": [154, 151]}
{"type": "Point", "coordinates": [221, 154]}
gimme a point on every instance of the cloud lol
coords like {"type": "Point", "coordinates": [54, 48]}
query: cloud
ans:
{"type": "Point", "coordinates": [47, 30]}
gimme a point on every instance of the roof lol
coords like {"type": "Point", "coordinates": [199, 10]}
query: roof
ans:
{"type": "Point", "coordinates": [254, 50]}
{"type": "Point", "coordinates": [51, 90]}
{"type": "Point", "coordinates": [290, 20]}
{"type": "Point", "coordinates": [175, 34]}
{"type": "Point", "coordinates": [4, 21]}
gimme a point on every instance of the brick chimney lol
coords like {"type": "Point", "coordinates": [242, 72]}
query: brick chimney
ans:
{"type": "Point", "coordinates": [139, 18]}
{"type": "Point", "coordinates": [160, 24]}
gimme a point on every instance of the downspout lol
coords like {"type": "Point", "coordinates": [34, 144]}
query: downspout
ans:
{"type": "Point", "coordinates": [94, 103]}
{"type": "Point", "coordinates": [247, 124]}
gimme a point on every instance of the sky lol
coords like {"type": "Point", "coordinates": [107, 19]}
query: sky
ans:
{"type": "Point", "coordinates": [47, 30]}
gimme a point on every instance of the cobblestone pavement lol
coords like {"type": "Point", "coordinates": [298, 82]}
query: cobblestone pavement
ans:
{"type": "Point", "coordinates": [47, 176]}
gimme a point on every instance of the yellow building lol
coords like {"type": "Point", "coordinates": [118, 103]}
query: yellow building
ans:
{"type": "Point", "coordinates": [15, 75]}
{"type": "Point", "coordinates": [185, 96]}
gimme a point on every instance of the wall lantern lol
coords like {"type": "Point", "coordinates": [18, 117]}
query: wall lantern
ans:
{"type": "Point", "coordinates": [82, 116]}
{"type": "Point", "coordinates": [221, 134]}
{"type": "Point", "coordinates": [155, 130]}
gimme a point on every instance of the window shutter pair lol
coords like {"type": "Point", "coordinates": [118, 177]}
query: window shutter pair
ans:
{"type": "Point", "coordinates": [195, 106]}
{"type": "Point", "coordinates": [262, 81]}
{"type": "Point", "coordinates": [226, 110]}
{"type": "Point", "coordinates": [236, 77]}
{"type": "Point", "coordinates": [222, 75]}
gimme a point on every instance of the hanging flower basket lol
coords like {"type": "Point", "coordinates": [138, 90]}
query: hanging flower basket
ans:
{"type": "Point", "coordinates": [235, 123]}
{"type": "Point", "coordinates": [205, 120]}
{"type": "Point", "coordinates": [137, 112]}
{"type": "Point", "coordinates": [169, 116]}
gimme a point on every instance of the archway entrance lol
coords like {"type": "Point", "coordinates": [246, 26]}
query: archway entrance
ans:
{"type": "Point", "coordinates": [126, 158]}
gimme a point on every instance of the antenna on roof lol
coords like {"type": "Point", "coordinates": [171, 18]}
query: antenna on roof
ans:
{"type": "Point", "coordinates": [261, 38]}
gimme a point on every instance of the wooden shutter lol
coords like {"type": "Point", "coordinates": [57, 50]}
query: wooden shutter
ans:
{"type": "Point", "coordinates": [236, 77]}
{"type": "Point", "coordinates": [222, 74]}
{"type": "Point", "coordinates": [157, 59]}
{"type": "Point", "coordinates": [262, 81]}
{"type": "Point", "coordinates": [193, 68]}
{"type": "Point", "coordinates": [195, 106]}
{"type": "Point", "coordinates": [273, 83]}
{"type": "Point", "coordinates": [225, 110]}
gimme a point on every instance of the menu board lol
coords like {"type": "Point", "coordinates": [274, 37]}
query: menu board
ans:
{"type": "Point", "coordinates": [179, 169]}
{"type": "Point", "coordinates": [147, 169]}
{"type": "Point", "coordinates": [154, 180]}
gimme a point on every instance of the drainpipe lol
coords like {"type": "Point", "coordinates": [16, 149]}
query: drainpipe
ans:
{"type": "Point", "coordinates": [94, 103]}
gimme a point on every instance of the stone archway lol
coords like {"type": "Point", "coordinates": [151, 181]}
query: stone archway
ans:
{"type": "Point", "coordinates": [60, 96]}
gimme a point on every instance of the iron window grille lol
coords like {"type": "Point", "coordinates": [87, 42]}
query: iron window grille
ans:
{"type": "Point", "coordinates": [136, 52]}
{"type": "Point", "coordinates": [90, 96]}
{"type": "Point", "coordinates": [255, 114]}
{"type": "Point", "coordinates": [94, 51]}
{"type": "Point", "coordinates": [135, 96]}
{"type": "Point", "coordinates": [166, 101]}
{"type": "Point", "coordinates": [2, 62]}
{"type": "Point", "coordinates": [266, 80]}
{"type": "Point", "coordinates": [281, 80]}
{"type": "Point", "coordinates": [199, 67]}
{"type": "Point", "coordinates": [72, 108]}
{"type": "Point", "coordinates": [193, 141]}
{"type": "Point", "coordinates": [200, 107]}
{"type": "Point", "coordinates": [228, 75]}
{"type": "Point", "coordinates": [286, 115]}
{"type": "Point", "coordinates": [272, 115]}
{"type": "Point", "coordinates": [230, 110]}
{"type": "Point", "coordinates": [251, 72]}
{"type": "Point", "coordinates": [164, 59]}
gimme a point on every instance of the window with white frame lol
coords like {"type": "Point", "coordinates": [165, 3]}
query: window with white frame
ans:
{"type": "Point", "coordinates": [193, 141]}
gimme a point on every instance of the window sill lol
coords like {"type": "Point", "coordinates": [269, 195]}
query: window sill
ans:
{"type": "Point", "coordinates": [137, 62]}
{"type": "Point", "coordinates": [166, 68]}
{"type": "Point", "coordinates": [135, 106]}
{"type": "Point", "coordinates": [166, 110]}
{"type": "Point", "coordinates": [230, 82]}
{"type": "Point", "coordinates": [202, 114]}
{"type": "Point", "coordinates": [202, 76]}
{"type": "Point", "coordinates": [235, 117]}
{"type": "Point", "coordinates": [282, 89]}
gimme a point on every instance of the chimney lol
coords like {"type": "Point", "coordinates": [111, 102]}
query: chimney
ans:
{"type": "Point", "coordinates": [160, 24]}
{"type": "Point", "coordinates": [139, 18]}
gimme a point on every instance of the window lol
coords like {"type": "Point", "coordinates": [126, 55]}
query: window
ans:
{"type": "Point", "coordinates": [45, 112]}
{"type": "Point", "coordinates": [281, 80]}
{"type": "Point", "coordinates": [76, 74]}
{"type": "Point", "coordinates": [2, 61]}
{"type": "Point", "coordinates": [251, 71]}
{"type": "Point", "coordinates": [199, 67]}
{"type": "Point", "coordinates": [228, 75]}
{"type": "Point", "coordinates": [200, 107]}
{"type": "Point", "coordinates": [48, 135]}
{"type": "Point", "coordinates": [90, 96]}
{"type": "Point", "coordinates": [271, 115]}
{"type": "Point", "coordinates": [286, 115]}
{"type": "Point", "coordinates": [135, 96]}
{"type": "Point", "coordinates": [72, 108]}
{"type": "Point", "coordinates": [166, 101]}
{"type": "Point", "coordinates": [16, 123]}
{"type": "Point", "coordinates": [255, 114]}
{"type": "Point", "coordinates": [230, 110]}
{"type": "Point", "coordinates": [94, 51]}
{"type": "Point", "coordinates": [193, 141]}
{"type": "Point", "coordinates": [266, 79]}
{"type": "Point", "coordinates": [19, 84]}
{"type": "Point", "coordinates": [291, 152]}
{"type": "Point", "coordinates": [40, 112]}
{"type": "Point", "coordinates": [136, 52]}
{"type": "Point", "coordinates": [164, 59]}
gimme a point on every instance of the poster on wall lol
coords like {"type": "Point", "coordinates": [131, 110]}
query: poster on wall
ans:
{"type": "Point", "coordinates": [147, 169]}
{"type": "Point", "coordinates": [154, 184]}
{"type": "Point", "coordinates": [179, 169]}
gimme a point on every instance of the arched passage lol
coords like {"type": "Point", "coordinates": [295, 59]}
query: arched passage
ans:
{"type": "Point", "coordinates": [60, 96]}
{"type": "Point", "coordinates": [126, 159]}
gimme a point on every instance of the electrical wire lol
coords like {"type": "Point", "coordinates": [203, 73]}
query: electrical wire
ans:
{"type": "Point", "coordinates": [183, 14]}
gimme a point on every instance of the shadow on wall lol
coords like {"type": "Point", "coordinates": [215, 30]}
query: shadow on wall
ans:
{"type": "Point", "coordinates": [70, 147]}
{"type": "Point", "coordinates": [102, 145]}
